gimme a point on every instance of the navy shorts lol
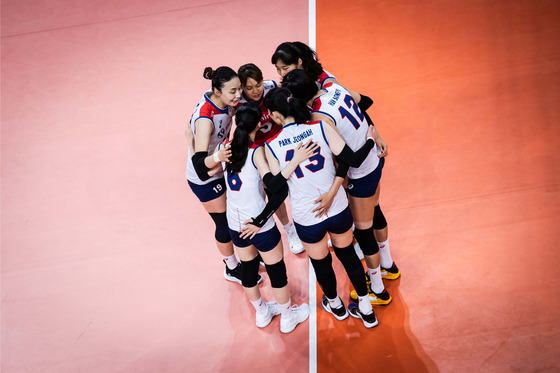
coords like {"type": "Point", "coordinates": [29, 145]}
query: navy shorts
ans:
{"type": "Point", "coordinates": [337, 224]}
{"type": "Point", "coordinates": [264, 242]}
{"type": "Point", "coordinates": [366, 186]}
{"type": "Point", "coordinates": [210, 191]}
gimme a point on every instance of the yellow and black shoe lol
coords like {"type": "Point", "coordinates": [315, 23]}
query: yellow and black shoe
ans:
{"type": "Point", "coordinates": [381, 299]}
{"type": "Point", "coordinates": [392, 273]}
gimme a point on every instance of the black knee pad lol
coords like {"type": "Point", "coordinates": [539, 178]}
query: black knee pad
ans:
{"type": "Point", "coordinates": [277, 274]}
{"type": "Point", "coordinates": [325, 275]}
{"type": "Point", "coordinates": [367, 241]}
{"type": "Point", "coordinates": [250, 272]}
{"type": "Point", "coordinates": [353, 267]}
{"type": "Point", "coordinates": [221, 233]}
{"type": "Point", "coordinates": [379, 221]}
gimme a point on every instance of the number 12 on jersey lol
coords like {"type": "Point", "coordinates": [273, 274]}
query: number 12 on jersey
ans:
{"type": "Point", "coordinates": [346, 114]}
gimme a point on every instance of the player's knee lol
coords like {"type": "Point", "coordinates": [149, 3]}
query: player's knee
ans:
{"type": "Point", "coordinates": [348, 257]}
{"type": "Point", "coordinates": [277, 274]}
{"type": "Point", "coordinates": [250, 272]}
{"type": "Point", "coordinates": [325, 275]}
{"type": "Point", "coordinates": [221, 233]}
{"type": "Point", "coordinates": [379, 221]}
{"type": "Point", "coordinates": [366, 239]}
{"type": "Point", "coordinates": [322, 267]}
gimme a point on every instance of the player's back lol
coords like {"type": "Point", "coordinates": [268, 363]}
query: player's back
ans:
{"type": "Point", "coordinates": [337, 103]}
{"type": "Point", "coordinates": [245, 194]}
{"type": "Point", "coordinates": [312, 177]}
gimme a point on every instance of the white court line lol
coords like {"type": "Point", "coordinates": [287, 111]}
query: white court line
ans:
{"type": "Point", "coordinates": [312, 279]}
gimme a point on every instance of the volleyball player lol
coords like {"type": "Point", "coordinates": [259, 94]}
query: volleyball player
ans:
{"type": "Point", "coordinates": [296, 55]}
{"type": "Point", "coordinates": [334, 105]}
{"type": "Point", "coordinates": [310, 180]}
{"type": "Point", "coordinates": [245, 200]}
{"type": "Point", "coordinates": [209, 125]}
{"type": "Point", "coordinates": [254, 89]}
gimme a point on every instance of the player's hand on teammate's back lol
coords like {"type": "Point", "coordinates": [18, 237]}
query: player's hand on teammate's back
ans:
{"type": "Point", "coordinates": [325, 201]}
{"type": "Point", "coordinates": [381, 145]}
{"type": "Point", "coordinates": [224, 153]}
{"type": "Point", "coordinates": [305, 151]}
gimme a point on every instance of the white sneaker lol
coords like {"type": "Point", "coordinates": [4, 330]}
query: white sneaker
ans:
{"type": "Point", "coordinates": [263, 319]}
{"type": "Point", "coordinates": [296, 246]}
{"type": "Point", "coordinates": [298, 315]}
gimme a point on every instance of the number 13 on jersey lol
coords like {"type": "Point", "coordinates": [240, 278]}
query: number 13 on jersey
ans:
{"type": "Point", "coordinates": [316, 162]}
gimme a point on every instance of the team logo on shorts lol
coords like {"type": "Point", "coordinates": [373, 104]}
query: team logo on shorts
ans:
{"type": "Point", "coordinates": [350, 186]}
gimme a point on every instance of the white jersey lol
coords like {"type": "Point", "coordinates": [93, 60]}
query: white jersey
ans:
{"type": "Point", "coordinates": [221, 120]}
{"type": "Point", "coordinates": [313, 177]}
{"type": "Point", "coordinates": [245, 194]}
{"type": "Point", "coordinates": [337, 103]}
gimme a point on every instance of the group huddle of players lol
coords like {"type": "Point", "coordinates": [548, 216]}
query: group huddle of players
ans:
{"type": "Point", "coordinates": [312, 139]}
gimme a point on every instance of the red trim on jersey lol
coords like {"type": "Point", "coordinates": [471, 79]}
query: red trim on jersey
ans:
{"type": "Point", "coordinates": [321, 78]}
{"type": "Point", "coordinates": [314, 122]}
{"type": "Point", "coordinates": [316, 105]}
{"type": "Point", "coordinates": [262, 137]}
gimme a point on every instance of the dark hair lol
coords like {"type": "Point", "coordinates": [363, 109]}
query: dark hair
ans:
{"type": "Point", "coordinates": [220, 76]}
{"type": "Point", "coordinates": [300, 84]}
{"type": "Point", "coordinates": [246, 118]}
{"type": "Point", "coordinates": [289, 52]}
{"type": "Point", "coordinates": [281, 100]}
{"type": "Point", "coordinates": [249, 70]}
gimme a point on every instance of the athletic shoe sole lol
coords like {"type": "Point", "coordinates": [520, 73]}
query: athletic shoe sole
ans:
{"type": "Point", "coordinates": [354, 311]}
{"type": "Point", "coordinates": [385, 274]}
{"type": "Point", "coordinates": [373, 299]}
{"type": "Point", "coordinates": [327, 308]}
{"type": "Point", "coordinates": [392, 273]}
{"type": "Point", "coordinates": [272, 310]}
{"type": "Point", "coordinates": [303, 310]}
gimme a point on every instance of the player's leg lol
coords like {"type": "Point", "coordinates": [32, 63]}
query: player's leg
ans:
{"type": "Point", "coordinates": [250, 279]}
{"type": "Point", "coordinates": [272, 253]}
{"type": "Point", "coordinates": [362, 212]}
{"type": "Point", "coordinates": [389, 269]}
{"type": "Point", "coordinates": [294, 242]}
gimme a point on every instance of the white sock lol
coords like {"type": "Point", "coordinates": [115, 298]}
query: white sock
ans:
{"type": "Point", "coordinates": [289, 227]}
{"type": "Point", "coordinates": [286, 309]}
{"type": "Point", "coordinates": [259, 305]}
{"type": "Point", "coordinates": [364, 304]}
{"type": "Point", "coordinates": [231, 261]}
{"type": "Point", "coordinates": [385, 253]}
{"type": "Point", "coordinates": [335, 303]}
{"type": "Point", "coordinates": [376, 281]}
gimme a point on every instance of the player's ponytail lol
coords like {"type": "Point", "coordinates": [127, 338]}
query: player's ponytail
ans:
{"type": "Point", "coordinates": [220, 76]}
{"type": "Point", "coordinates": [299, 110]}
{"type": "Point", "coordinates": [309, 60]}
{"type": "Point", "coordinates": [247, 118]}
{"type": "Point", "coordinates": [300, 84]}
{"type": "Point", "coordinates": [281, 100]}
